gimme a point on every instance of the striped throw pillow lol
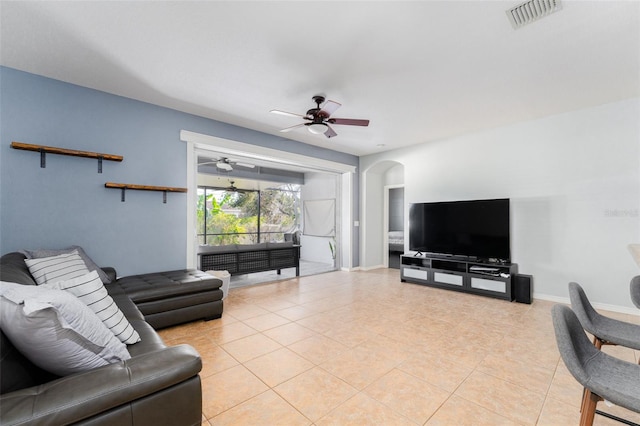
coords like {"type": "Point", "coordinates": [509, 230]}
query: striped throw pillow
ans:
{"type": "Point", "coordinates": [90, 290]}
{"type": "Point", "coordinates": [57, 268]}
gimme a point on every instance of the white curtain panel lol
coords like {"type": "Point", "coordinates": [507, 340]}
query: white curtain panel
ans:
{"type": "Point", "coordinates": [319, 218]}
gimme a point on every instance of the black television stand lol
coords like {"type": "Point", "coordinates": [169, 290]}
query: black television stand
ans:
{"type": "Point", "coordinates": [493, 279]}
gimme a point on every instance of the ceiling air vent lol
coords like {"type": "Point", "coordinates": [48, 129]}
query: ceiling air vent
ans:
{"type": "Point", "coordinates": [532, 10]}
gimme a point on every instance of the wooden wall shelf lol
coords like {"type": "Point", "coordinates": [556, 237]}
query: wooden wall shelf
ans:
{"type": "Point", "coordinates": [125, 186]}
{"type": "Point", "coordinates": [43, 150]}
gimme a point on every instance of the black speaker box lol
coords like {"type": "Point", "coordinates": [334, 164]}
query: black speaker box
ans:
{"type": "Point", "coordinates": [522, 285]}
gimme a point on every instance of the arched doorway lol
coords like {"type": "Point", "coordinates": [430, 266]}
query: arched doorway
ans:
{"type": "Point", "coordinates": [376, 182]}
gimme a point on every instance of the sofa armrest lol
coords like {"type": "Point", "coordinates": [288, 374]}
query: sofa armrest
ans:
{"type": "Point", "coordinates": [83, 395]}
{"type": "Point", "coordinates": [111, 273]}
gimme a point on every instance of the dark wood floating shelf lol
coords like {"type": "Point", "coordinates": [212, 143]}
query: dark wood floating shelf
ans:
{"type": "Point", "coordinates": [42, 149]}
{"type": "Point", "coordinates": [163, 189]}
{"type": "Point", "coordinates": [144, 187]}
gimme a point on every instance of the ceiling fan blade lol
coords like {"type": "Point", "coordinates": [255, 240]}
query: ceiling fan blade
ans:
{"type": "Point", "coordinates": [349, 121]}
{"type": "Point", "coordinates": [330, 132]}
{"type": "Point", "coordinates": [236, 162]}
{"type": "Point", "coordinates": [247, 165]}
{"type": "Point", "coordinates": [288, 129]}
{"type": "Point", "coordinates": [329, 108]}
{"type": "Point", "coordinates": [207, 163]}
{"type": "Point", "coordinates": [289, 114]}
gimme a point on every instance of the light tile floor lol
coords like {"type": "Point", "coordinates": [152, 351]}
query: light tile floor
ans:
{"type": "Point", "coordinates": [362, 348]}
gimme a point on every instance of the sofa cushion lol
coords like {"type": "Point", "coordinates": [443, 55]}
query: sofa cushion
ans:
{"type": "Point", "coordinates": [57, 268]}
{"type": "Point", "coordinates": [14, 270]}
{"type": "Point", "coordinates": [124, 302]}
{"type": "Point", "coordinates": [110, 272]}
{"type": "Point", "coordinates": [150, 340]}
{"type": "Point", "coordinates": [89, 263]}
{"type": "Point", "coordinates": [90, 290]}
{"type": "Point", "coordinates": [162, 285]}
{"type": "Point", "coordinates": [56, 331]}
{"type": "Point", "coordinates": [16, 371]}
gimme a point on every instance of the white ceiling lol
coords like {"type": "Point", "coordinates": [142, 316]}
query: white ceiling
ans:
{"type": "Point", "coordinates": [419, 70]}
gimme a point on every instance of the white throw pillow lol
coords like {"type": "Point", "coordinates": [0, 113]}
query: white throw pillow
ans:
{"type": "Point", "coordinates": [55, 330]}
{"type": "Point", "coordinates": [89, 289]}
{"type": "Point", "coordinates": [57, 268]}
{"type": "Point", "coordinates": [90, 264]}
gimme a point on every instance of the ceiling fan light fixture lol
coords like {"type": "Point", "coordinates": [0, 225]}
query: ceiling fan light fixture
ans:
{"type": "Point", "coordinates": [224, 166]}
{"type": "Point", "coordinates": [317, 128]}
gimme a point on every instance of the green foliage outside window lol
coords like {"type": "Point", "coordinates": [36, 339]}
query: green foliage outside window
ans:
{"type": "Point", "coordinates": [279, 211]}
{"type": "Point", "coordinates": [232, 217]}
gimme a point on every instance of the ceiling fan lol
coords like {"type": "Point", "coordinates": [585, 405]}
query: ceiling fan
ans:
{"type": "Point", "coordinates": [224, 163]}
{"type": "Point", "coordinates": [319, 118]}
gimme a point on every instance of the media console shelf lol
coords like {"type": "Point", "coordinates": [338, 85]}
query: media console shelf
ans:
{"type": "Point", "coordinates": [459, 274]}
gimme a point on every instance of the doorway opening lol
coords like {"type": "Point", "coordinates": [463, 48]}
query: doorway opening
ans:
{"type": "Point", "coordinates": [221, 164]}
{"type": "Point", "coordinates": [394, 206]}
{"type": "Point", "coordinates": [376, 182]}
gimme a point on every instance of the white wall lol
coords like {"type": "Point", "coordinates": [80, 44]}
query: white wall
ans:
{"type": "Point", "coordinates": [346, 225]}
{"type": "Point", "coordinates": [394, 176]}
{"type": "Point", "coordinates": [318, 186]}
{"type": "Point", "coordinates": [574, 184]}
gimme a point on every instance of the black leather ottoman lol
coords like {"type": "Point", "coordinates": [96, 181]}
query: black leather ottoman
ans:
{"type": "Point", "coordinates": [174, 297]}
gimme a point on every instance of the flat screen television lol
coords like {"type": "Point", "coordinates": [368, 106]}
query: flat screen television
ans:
{"type": "Point", "coordinates": [477, 229]}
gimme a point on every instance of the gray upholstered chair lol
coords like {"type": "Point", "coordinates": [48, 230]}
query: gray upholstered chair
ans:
{"type": "Point", "coordinates": [635, 290]}
{"type": "Point", "coordinates": [601, 375]}
{"type": "Point", "coordinates": [606, 331]}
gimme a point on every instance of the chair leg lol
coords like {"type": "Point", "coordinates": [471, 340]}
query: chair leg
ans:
{"type": "Point", "coordinates": [588, 408]}
{"type": "Point", "coordinates": [597, 342]}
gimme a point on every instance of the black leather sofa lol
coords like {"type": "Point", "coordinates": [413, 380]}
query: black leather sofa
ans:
{"type": "Point", "coordinates": [158, 385]}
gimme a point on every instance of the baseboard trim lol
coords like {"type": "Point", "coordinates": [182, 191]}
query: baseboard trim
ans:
{"type": "Point", "coordinates": [370, 268]}
{"type": "Point", "coordinates": [603, 306]}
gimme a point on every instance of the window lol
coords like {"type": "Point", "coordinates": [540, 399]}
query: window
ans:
{"type": "Point", "coordinates": [247, 216]}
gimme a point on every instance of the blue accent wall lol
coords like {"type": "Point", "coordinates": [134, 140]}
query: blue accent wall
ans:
{"type": "Point", "coordinates": [66, 203]}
